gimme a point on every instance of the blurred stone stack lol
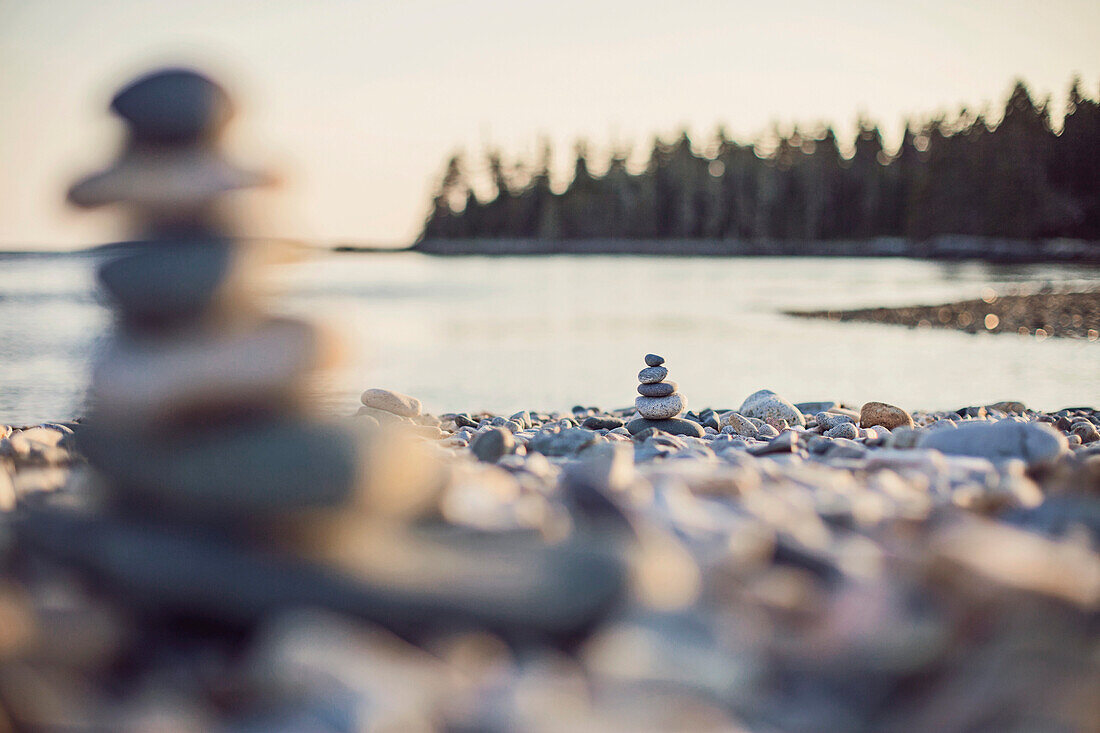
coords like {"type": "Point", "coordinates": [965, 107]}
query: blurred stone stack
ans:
{"type": "Point", "coordinates": [228, 498]}
{"type": "Point", "coordinates": [197, 405]}
{"type": "Point", "coordinates": [660, 404]}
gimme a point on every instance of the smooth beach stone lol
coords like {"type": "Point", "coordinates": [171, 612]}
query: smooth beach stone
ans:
{"type": "Point", "coordinates": [765, 403]}
{"type": "Point", "coordinates": [657, 389]}
{"type": "Point", "coordinates": [1012, 407]}
{"type": "Point", "coordinates": [648, 433]}
{"type": "Point", "coordinates": [596, 422]}
{"type": "Point", "coordinates": [767, 431]}
{"type": "Point", "coordinates": [737, 424]}
{"type": "Point", "coordinates": [490, 445]}
{"type": "Point", "coordinates": [652, 375]}
{"type": "Point", "coordinates": [654, 360]}
{"type": "Point", "coordinates": [880, 413]}
{"type": "Point", "coordinates": [1036, 443]}
{"type": "Point", "coordinates": [463, 421]}
{"type": "Point", "coordinates": [829, 420]}
{"type": "Point", "coordinates": [604, 467]}
{"type": "Point", "coordinates": [395, 402]}
{"type": "Point", "coordinates": [173, 106]}
{"type": "Point", "coordinates": [905, 438]}
{"type": "Point", "coordinates": [544, 593]}
{"type": "Point", "coordinates": [661, 408]}
{"type": "Point", "coordinates": [244, 471]}
{"type": "Point", "coordinates": [146, 379]}
{"type": "Point", "coordinates": [843, 430]}
{"type": "Point", "coordinates": [157, 281]}
{"type": "Point", "coordinates": [382, 417]}
{"type": "Point", "coordinates": [1086, 431]}
{"type": "Point", "coordinates": [674, 425]}
{"type": "Point", "coordinates": [786, 442]}
{"type": "Point", "coordinates": [566, 443]}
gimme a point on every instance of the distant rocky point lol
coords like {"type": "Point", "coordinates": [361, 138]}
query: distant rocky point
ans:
{"type": "Point", "coordinates": [936, 248]}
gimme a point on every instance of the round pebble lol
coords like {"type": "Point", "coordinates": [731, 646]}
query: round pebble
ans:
{"type": "Point", "coordinates": [652, 375]}
{"type": "Point", "coordinates": [661, 408]}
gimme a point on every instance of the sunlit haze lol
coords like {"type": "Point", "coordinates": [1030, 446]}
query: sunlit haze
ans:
{"type": "Point", "coordinates": [359, 104]}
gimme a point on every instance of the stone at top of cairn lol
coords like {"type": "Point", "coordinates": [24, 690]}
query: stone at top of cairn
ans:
{"type": "Point", "coordinates": [170, 162]}
{"type": "Point", "coordinates": [659, 404]}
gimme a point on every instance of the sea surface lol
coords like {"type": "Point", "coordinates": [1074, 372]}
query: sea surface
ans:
{"type": "Point", "coordinates": [547, 333]}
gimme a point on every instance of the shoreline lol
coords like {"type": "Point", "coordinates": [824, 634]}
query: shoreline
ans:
{"type": "Point", "coordinates": [1073, 315]}
{"type": "Point", "coordinates": [945, 248]}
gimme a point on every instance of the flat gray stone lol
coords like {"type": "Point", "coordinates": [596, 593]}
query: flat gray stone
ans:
{"type": "Point", "coordinates": [1035, 443]}
{"type": "Point", "coordinates": [657, 389]}
{"type": "Point", "coordinates": [785, 442]}
{"type": "Point", "coordinates": [566, 443]}
{"type": "Point", "coordinates": [661, 408]}
{"type": "Point", "coordinates": [390, 401]}
{"type": "Point", "coordinates": [843, 430]}
{"type": "Point", "coordinates": [490, 445]}
{"type": "Point", "coordinates": [155, 282]}
{"type": "Point", "coordinates": [675, 426]}
{"type": "Point", "coordinates": [652, 375]}
{"type": "Point", "coordinates": [595, 422]}
{"type": "Point", "coordinates": [244, 471]}
{"type": "Point", "coordinates": [765, 403]}
{"type": "Point", "coordinates": [654, 360]}
{"type": "Point", "coordinates": [552, 593]}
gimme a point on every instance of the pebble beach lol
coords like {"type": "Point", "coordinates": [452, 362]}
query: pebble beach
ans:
{"type": "Point", "coordinates": [817, 566]}
{"type": "Point", "coordinates": [213, 546]}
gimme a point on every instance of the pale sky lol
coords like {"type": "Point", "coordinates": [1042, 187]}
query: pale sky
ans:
{"type": "Point", "coordinates": [358, 104]}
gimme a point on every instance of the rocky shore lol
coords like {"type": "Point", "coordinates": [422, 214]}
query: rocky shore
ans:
{"type": "Point", "coordinates": [1043, 315]}
{"type": "Point", "coordinates": [792, 567]}
{"type": "Point", "coordinates": [947, 247]}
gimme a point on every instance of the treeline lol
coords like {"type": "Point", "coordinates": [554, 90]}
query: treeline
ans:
{"type": "Point", "coordinates": [1018, 178]}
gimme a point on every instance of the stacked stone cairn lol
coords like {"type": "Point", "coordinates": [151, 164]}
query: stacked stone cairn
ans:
{"type": "Point", "coordinates": [659, 404]}
{"type": "Point", "coordinates": [220, 496]}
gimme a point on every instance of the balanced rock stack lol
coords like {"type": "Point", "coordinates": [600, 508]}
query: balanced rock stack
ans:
{"type": "Point", "coordinates": [659, 404]}
{"type": "Point", "coordinates": [198, 402]}
{"type": "Point", "coordinates": [228, 498]}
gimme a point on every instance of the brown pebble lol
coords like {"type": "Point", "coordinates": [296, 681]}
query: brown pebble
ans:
{"type": "Point", "coordinates": [888, 416]}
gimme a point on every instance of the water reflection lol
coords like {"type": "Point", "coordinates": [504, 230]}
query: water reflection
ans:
{"type": "Point", "coordinates": [549, 332]}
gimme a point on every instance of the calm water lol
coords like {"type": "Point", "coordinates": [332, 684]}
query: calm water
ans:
{"type": "Point", "coordinates": [551, 332]}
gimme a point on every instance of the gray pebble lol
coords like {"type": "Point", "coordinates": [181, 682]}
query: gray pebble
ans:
{"type": "Point", "coordinates": [652, 375]}
{"type": "Point", "coordinates": [491, 444]}
{"type": "Point", "coordinates": [657, 389]}
{"type": "Point", "coordinates": [843, 430]}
